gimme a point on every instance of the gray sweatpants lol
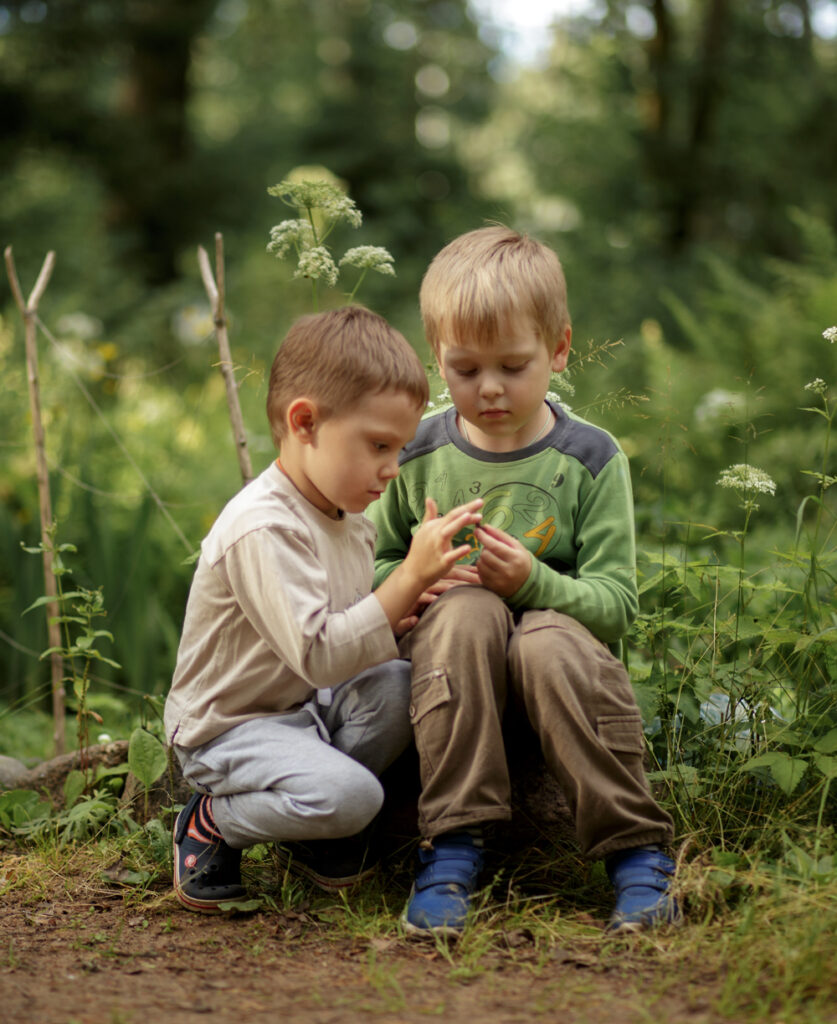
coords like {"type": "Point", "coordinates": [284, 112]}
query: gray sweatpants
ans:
{"type": "Point", "coordinates": [306, 774]}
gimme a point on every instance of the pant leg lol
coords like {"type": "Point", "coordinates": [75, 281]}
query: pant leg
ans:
{"type": "Point", "coordinates": [579, 700]}
{"type": "Point", "coordinates": [369, 717]}
{"type": "Point", "coordinates": [458, 653]}
{"type": "Point", "coordinates": [275, 778]}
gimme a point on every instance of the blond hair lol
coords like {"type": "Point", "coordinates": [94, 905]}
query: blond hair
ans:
{"type": "Point", "coordinates": [485, 278]}
{"type": "Point", "coordinates": [337, 358]}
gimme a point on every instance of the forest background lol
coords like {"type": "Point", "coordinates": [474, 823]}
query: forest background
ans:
{"type": "Point", "coordinates": [680, 157]}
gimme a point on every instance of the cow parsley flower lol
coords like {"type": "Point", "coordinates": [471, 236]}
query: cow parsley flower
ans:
{"type": "Point", "coordinates": [830, 334]}
{"type": "Point", "coordinates": [742, 477]}
{"type": "Point", "coordinates": [290, 234]}
{"type": "Point", "coordinates": [318, 265]}
{"type": "Point", "coordinates": [817, 385]}
{"type": "Point", "coordinates": [747, 481]}
{"type": "Point", "coordinates": [369, 257]}
{"type": "Point", "coordinates": [318, 195]}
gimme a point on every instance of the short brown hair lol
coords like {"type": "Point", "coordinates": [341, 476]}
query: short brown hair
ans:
{"type": "Point", "coordinates": [337, 358]}
{"type": "Point", "coordinates": [482, 279]}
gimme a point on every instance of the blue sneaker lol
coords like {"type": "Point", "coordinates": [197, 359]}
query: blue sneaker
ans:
{"type": "Point", "coordinates": [642, 880]}
{"type": "Point", "coordinates": [447, 877]}
{"type": "Point", "coordinates": [207, 872]}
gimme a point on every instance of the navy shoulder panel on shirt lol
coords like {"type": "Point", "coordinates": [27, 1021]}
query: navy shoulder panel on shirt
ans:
{"type": "Point", "coordinates": [432, 433]}
{"type": "Point", "coordinates": [592, 446]}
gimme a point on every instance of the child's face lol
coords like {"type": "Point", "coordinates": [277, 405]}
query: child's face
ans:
{"type": "Point", "coordinates": [500, 392]}
{"type": "Point", "coordinates": [346, 461]}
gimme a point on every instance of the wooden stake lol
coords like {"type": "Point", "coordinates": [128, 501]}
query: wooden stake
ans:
{"type": "Point", "coordinates": [215, 290]}
{"type": "Point", "coordinates": [29, 311]}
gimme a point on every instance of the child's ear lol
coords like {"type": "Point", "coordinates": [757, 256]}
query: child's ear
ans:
{"type": "Point", "coordinates": [562, 352]}
{"type": "Point", "coordinates": [302, 419]}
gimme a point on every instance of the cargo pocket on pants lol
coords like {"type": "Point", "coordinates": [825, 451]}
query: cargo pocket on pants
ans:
{"type": "Point", "coordinates": [623, 737]}
{"type": "Point", "coordinates": [430, 715]}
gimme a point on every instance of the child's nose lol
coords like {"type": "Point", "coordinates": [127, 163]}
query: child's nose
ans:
{"type": "Point", "coordinates": [389, 471]}
{"type": "Point", "coordinates": [490, 384]}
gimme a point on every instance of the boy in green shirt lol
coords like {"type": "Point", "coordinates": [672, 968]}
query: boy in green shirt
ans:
{"type": "Point", "coordinates": [528, 615]}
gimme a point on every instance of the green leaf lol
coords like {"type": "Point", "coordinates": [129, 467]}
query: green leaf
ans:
{"type": "Point", "coordinates": [827, 744]}
{"type": "Point", "coordinates": [240, 906]}
{"type": "Point", "coordinates": [21, 806]}
{"type": "Point", "coordinates": [146, 757]}
{"type": "Point", "coordinates": [786, 771]}
{"type": "Point", "coordinates": [827, 765]}
{"type": "Point", "coordinates": [74, 786]}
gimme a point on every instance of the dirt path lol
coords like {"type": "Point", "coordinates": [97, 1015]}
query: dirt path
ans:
{"type": "Point", "coordinates": [76, 959]}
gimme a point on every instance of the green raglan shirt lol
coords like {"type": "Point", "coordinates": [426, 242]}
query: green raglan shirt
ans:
{"type": "Point", "coordinates": [567, 498]}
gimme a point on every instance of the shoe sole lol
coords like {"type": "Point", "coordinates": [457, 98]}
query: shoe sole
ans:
{"type": "Point", "coordinates": [324, 882]}
{"type": "Point", "coordinates": [632, 927]}
{"type": "Point", "coordinates": [442, 931]}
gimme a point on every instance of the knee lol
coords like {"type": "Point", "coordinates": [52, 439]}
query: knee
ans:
{"type": "Point", "coordinates": [471, 616]}
{"type": "Point", "coordinates": [346, 804]}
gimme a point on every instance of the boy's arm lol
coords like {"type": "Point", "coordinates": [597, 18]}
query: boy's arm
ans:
{"type": "Point", "coordinates": [283, 590]}
{"type": "Point", "coordinates": [600, 590]}
{"type": "Point", "coordinates": [394, 520]}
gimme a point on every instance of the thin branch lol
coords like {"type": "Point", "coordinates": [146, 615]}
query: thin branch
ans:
{"type": "Point", "coordinates": [41, 283]}
{"type": "Point", "coordinates": [215, 291]}
{"type": "Point", "coordinates": [29, 313]}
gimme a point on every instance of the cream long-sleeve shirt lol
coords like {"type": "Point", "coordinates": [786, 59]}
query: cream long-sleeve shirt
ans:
{"type": "Point", "coordinates": [280, 605]}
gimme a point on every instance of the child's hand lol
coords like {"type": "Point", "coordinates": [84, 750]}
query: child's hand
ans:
{"type": "Point", "coordinates": [458, 576]}
{"type": "Point", "coordinates": [504, 563]}
{"type": "Point", "coordinates": [431, 556]}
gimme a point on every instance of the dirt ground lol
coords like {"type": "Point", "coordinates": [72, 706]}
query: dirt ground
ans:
{"type": "Point", "coordinates": [93, 958]}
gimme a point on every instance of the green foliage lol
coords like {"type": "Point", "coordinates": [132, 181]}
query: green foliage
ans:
{"type": "Point", "coordinates": [77, 611]}
{"type": "Point", "coordinates": [146, 757]}
{"type": "Point", "coordinates": [737, 664]}
{"type": "Point", "coordinates": [20, 807]}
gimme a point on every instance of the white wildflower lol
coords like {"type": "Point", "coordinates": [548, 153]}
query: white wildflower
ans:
{"type": "Point", "coordinates": [559, 383]}
{"type": "Point", "coordinates": [556, 399]}
{"type": "Point", "coordinates": [720, 404]}
{"type": "Point", "coordinates": [296, 234]}
{"type": "Point", "coordinates": [748, 479]}
{"type": "Point", "coordinates": [817, 385]}
{"type": "Point", "coordinates": [830, 334]}
{"type": "Point", "coordinates": [80, 325]}
{"type": "Point", "coordinates": [318, 195]}
{"type": "Point", "coordinates": [440, 402]}
{"type": "Point", "coordinates": [317, 264]}
{"type": "Point", "coordinates": [369, 257]}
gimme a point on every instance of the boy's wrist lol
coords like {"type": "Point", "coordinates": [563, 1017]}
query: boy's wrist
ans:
{"type": "Point", "coordinates": [410, 576]}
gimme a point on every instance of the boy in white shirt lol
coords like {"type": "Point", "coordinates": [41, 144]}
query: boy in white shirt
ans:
{"type": "Point", "coordinates": [288, 697]}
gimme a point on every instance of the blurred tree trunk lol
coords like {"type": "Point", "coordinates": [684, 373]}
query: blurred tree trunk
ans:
{"type": "Point", "coordinates": [148, 178]}
{"type": "Point", "coordinates": [678, 167]}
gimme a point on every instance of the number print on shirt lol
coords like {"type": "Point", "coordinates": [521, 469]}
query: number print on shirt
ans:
{"type": "Point", "coordinates": [526, 512]}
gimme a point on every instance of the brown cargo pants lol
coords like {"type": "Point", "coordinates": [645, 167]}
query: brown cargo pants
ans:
{"type": "Point", "coordinates": [469, 654]}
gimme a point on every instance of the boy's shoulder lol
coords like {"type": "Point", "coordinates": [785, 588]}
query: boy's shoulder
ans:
{"type": "Point", "coordinates": [271, 502]}
{"type": "Point", "coordinates": [434, 431]}
{"type": "Point", "coordinates": [588, 443]}
{"type": "Point", "coordinates": [572, 436]}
